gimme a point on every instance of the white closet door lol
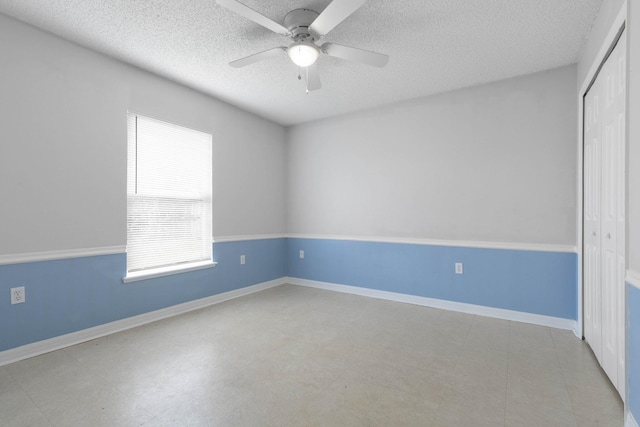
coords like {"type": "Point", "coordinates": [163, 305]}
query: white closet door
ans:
{"type": "Point", "coordinates": [604, 215]}
{"type": "Point", "coordinates": [609, 216]}
{"type": "Point", "coordinates": [592, 206]}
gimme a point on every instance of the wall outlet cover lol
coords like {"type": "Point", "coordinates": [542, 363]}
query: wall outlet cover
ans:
{"type": "Point", "coordinates": [17, 295]}
{"type": "Point", "coordinates": [459, 269]}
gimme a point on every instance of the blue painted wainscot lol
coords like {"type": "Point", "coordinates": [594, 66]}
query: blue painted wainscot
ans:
{"type": "Point", "coordinates": [633, 365]}
{"type": "Point", "coordinates": [68, 295]}
{"type": "Point", "coordinates": [536, 282]}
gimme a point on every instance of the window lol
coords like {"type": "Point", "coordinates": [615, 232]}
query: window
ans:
{"type": "Point", "coordinates": [169, 198]}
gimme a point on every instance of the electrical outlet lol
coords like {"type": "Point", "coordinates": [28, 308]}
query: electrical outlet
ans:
{"type": "Point", "coordinates": [243, 260]}
{"type": "Point", "coordinates": [301, 254]}
{"type": "Point", "coordinates": [459, 269]}
{"type": "Point", "coordinates": [17, 295]}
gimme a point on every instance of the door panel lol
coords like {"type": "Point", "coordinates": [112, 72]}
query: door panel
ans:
{"type": "Point", "coordinates": [604, 215]}
{"type": "Point", "coordinates": [592, 207]}
{"type": "Point", "coordinates": [609, 219]}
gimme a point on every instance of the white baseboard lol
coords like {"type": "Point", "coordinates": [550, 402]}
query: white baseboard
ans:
{"type": "Point", "coordinates": [498, 313]}
{"type": "Point", "coordinates": [56, 343]}
{"type": "Point", "coordinates": [630, 421]}
{"type": "Point", "coordinates": [633, 278]}
{"type": "Point", "coordinates": [577, 331]}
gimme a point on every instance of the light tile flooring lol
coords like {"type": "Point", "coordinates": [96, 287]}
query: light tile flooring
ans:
{"type": "Point", "coordinates": [293, 356]}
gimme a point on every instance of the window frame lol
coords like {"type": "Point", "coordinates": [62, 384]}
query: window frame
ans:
{"type": "Point", "coordinates": [132, 169]}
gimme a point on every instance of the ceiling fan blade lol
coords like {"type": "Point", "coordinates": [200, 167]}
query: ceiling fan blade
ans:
{"type": "Point", "coordinates": [332, 15]}
{"type": "Point", "coordinates": [254, 16]}
{"type": "Point", "coordinates": [238, 63]}
{"type": "Point", "coordinates": [355, 54]}
{"type": "Point", "coordinates": [313, 77]}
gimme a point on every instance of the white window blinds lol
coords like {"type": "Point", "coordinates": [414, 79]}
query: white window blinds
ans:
{"type": "Point", "coordinates": [169, 195]}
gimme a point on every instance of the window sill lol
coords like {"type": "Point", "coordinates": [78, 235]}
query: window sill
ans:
{"type": "Point", "coordinates": [167, 271]}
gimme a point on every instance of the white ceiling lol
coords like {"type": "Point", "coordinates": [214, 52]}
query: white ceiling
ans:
{"type": "Point", "coordinates": [434, 46]}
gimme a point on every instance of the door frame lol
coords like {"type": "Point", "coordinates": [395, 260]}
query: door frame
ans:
{"type": "Point", "coordinates": [606, 47]}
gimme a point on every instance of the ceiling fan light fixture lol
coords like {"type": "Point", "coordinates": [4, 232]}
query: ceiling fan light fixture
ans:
{"type": "Point", "coordinates": [303, 54]}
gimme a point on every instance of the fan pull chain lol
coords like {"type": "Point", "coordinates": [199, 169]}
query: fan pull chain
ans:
{"type": "Point", "coordinates": [307, 71]}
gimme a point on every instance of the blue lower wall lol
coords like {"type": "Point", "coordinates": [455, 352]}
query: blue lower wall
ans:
{"type": "Point", "coordinates": [633, 365]}
{"type": "Point", "coordinates": [68, 295]}
{"type": "Point", "coordinates": [542, 283]}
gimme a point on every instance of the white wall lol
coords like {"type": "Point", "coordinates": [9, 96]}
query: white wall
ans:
{"type": "Point", "coordinates": [63, 146]}
{"type": "Point", "coordinates": [633, 180]}
{"type": "Point", "coordinates": [489, 163]}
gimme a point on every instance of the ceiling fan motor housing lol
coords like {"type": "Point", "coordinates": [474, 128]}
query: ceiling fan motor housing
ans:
{"type": "Point", "coordinates": [298, 21]}
{"type": "Point", "coordinates": [306, 27]}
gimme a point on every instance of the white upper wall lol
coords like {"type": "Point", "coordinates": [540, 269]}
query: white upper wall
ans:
{"type": "Point", "coordinates": [63, 147]}
{"type": "Point", "coordinates": [633, 180]}
{"type": "Point", "coordinates": [492, 163]}
{"type": "Point", "coordinates": [488, 163]}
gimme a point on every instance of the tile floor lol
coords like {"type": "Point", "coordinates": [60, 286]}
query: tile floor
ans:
{"type": "Point", "coordinates": [293, 356]}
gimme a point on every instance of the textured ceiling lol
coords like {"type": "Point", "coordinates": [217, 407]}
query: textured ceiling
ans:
{"type": "Point", "coordinates": [434, 46]}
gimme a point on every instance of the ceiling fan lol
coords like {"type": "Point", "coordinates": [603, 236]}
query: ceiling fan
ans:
{"type": "Point", "coordinates": [305, 27]}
